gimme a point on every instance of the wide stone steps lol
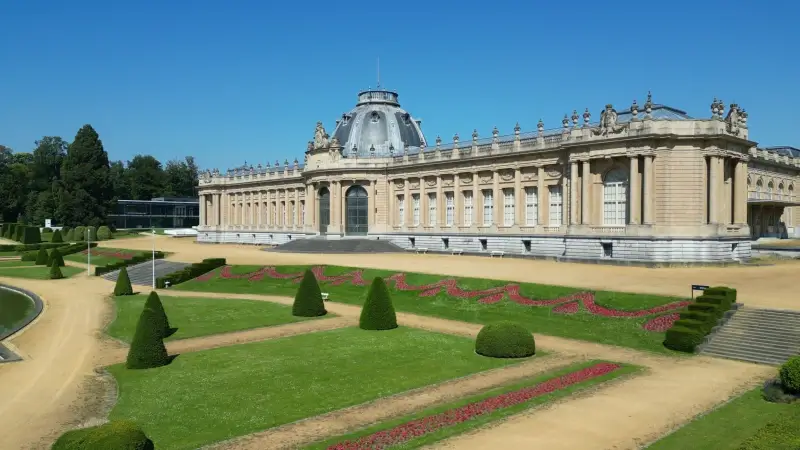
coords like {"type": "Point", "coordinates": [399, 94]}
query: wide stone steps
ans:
{"type": "Point", "coordinates": [349, 245]}
{"type": "Point", "coordinates": [757, 335]}
{"type": "Point", "coordinates": [142, 274]}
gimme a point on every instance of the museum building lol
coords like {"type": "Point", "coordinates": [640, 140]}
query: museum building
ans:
{"type": "Point", "coordinates": [645, 183]}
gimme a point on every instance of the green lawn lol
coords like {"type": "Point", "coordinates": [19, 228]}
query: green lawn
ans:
{"type": "Point", "coordinates": [481, 420]}
{"type": "Point", "coordinates": [218, 394]}
{"type": "Point", "coordinates": [627, 332]}
{"type": "Point", "coordinates": [102, 255]}
{"type": "Point", "coordinates": [16, 263]}
{"type": "Point", "coordinates": [195, 317]}
{"type": "Point", "coordinates": [37, 272]}
{"type": "Point", "coordinates": [727, 427]}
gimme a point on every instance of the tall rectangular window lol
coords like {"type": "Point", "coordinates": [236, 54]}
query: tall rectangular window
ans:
{"type": "Point", "coordinates": [614, 202]}
{"type": "Point", "coordinates": [283, 214]}
{"type": "Point", "coordinates": [450, 203]}
{"type": "Point", "coordinates": [294, 212]}
{"type": "Point", "coordinates": [508, 207]}
{"type": "Point", "coordinates": [415, 210]}
{"type": "Point", "coordinates": [531, 206]}
{"type": "Point", "coordinates": [432, 209]}
{"type": "Point", "coordinates": [556, 204]}
{"type": "Point", "coordinates": [488, 207]}
{"type": "Point", "coordinates": [401, 210]}
{"type": "Point", "coordinates": [467, 208]}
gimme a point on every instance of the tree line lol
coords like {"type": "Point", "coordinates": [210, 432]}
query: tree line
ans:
{"type": "Point", "coordinates": [76, 184]}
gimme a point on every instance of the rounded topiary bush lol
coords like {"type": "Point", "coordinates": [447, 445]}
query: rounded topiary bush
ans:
{"type": "Point", "coordinates": [55, 271]}
{"type": "Point", "coordinates": [41, 257]}
{"type": "Point", "coordinates": [790, 375]}
{"type": "Point", "coordinates": [123, 286]}
{"type": "Point", "coordinates": [117, 435]}
{"type": "Point", "coordinates": [103, 233]}
{"type": "Point", "coordinates": [308, 300]}
{"type": "Point", "coordinates": [56, 238]}
{"type": "Point", "coordinates": [505, 340]}
{"type": "Point", "coordinates": [147, 347]}
{"type": "Point", "coordinates": [55, 255]}
{"type": "Point", "coordinates": [78, 232]}
{"type": "Point", "coordinates": [90, 234]}
{"type": "Point", "coordinates": [378, 312]}
{"type": "Point", "coordinates": [69, 235]}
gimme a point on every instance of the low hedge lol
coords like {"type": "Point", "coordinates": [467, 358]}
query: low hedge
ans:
{"type": "Point", "coordinates": [699, 319]}
{"type": "Point", "coordinates": [19, 248]}
{"type": "Point", "coordinates": [116, 435]}
{"type": "Point", "coordinates": [140, 258]}
{"type": "Point", "coordinates": [190, 272]}
{"type": "Point", "coordinates": [75, 248]}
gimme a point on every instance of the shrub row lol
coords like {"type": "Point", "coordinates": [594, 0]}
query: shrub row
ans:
{"type": "Point", "coordinates": [118, 435]}
{"type": "Point", "coordinates": [190, 272]}
{"type": "Point", "coordinates": [21, 233]}
{"type": "Point", "coordinates": [19, 248]}
{"type": "Point", "coordinates": [699, 318]}
{"type": "Point", "coordinates": [140, 258]}
{"type": "Point", "coordinates": [75, 248]}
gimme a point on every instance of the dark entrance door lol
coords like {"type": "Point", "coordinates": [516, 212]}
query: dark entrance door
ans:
{"type": "Point", "coordinates": [324, 209]}
{"type": "Point", "coordinates": [357, 211]}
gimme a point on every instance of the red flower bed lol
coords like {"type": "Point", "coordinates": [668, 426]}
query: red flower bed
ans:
{"type": "Point", "coordinates": [426, 425]}
{"type": "Point", "coordinates": [661, 323]}
{"type": "Point", "coordinates": [110, 254]}
{"type": "Point", "coordinates": [569, 304]}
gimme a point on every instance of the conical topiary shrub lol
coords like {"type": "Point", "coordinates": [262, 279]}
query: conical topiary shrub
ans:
{"type": "Point", "coordinates": [41, 257]}
{"type": "Point", "coordinates": [147, 348]}
{"type": "Point", "coordinates": [123, 286]}
{"type": "Point", "coordinates": [308, 300]}
{"type": "Point", "coordinates": [378, 312]}
{"type": "Point", "coordinates": [55, 255]}
{"type": "Point", "coordinates": [55, 271]}
{"type": "Point", "coordinates": [56, 238]}
{"type": "Point", "coordinates": [154, 303]}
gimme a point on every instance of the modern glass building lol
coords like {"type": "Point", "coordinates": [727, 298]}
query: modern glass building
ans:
{"type": "Point", "coordinates": [161, 212]}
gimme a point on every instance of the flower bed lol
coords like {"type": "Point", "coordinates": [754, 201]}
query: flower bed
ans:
{"type": "Point", "coordinates": [433, 423]}
{"type": "Point", "coordinates": [570, 304]}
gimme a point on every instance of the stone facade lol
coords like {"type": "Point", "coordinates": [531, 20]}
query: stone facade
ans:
{"type": "Point", "coordinates": [653, 185]}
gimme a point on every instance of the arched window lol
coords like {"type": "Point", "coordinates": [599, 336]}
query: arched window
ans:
{"type": "Point", "coordinates": [770, 188]}
{"type": "Point", "coordinates": [615, 197]}
{"type": "Point", "coordinates": [750, 193]}
{"type": "Point", "coordinates": [791, 192]}
{"type": "Point", "coordinates": [759, 188]}
{"type": "Point", "coordinates": [780, 191]}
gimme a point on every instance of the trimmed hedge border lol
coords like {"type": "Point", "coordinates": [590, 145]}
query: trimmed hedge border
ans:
{"type": "Point", "coordinates": [20, 248]}
{"type": "Point", "coordinates": [138, 259]}
{"type": "Point", "coordinates": [190, 272]}
{"type": "Point", "coordinates": [699, 319]}
{"type": "Point", "coordinates": [38, 306]}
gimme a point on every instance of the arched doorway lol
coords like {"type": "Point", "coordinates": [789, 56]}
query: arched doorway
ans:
{"type": "Point", "coordinates": [324, 209]}
{"type": "Point", "coordinates": [357, 206]}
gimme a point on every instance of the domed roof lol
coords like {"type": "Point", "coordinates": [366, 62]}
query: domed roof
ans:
{"type": "Point", "coordinates": [378, 127]}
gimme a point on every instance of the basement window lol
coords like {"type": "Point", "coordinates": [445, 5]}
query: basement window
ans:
{"type": "Point", "coordinates": [446, 243]}
{"type": "Point", "coordinates": [412, 242]}
{"type": "Point", "coordinates": [527, 244]}
{"type": "Point", "coordinates": [608, 250]}
{"type": "Point", "coordinates": [484, 245]}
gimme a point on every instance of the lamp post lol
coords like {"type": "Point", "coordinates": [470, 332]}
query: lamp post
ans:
{"type": "Point", "coordinates": [154, 259]}
{"type": "Point", "coordinates": [88, 253]}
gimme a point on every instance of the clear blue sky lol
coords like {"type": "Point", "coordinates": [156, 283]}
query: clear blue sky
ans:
{"type": "Point", "coordinates": [228, 81]}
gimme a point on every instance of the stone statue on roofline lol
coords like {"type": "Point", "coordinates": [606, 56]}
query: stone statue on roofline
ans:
{"type": "Point", "coordinates": [732, 119]}
{"type": "Point", "coordinates": [320, 136]}
{"type": "Point", "coordinates": [608, 122]}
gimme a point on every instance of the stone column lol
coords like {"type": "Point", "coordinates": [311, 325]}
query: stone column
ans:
{"type": "Point", "coordinates": [499, 198]}
{"type": "Point", "coordinates": [311, 207]}
{"type": "Point", "coordinates": [635, 191]}
{"type": "Point", "coordinates": [713, 190]}
{"type": "Point", "coordinates": [423, 203]}
{"type": "Point", "coordinates": [566, 207]}
{"type": "Point", "coordinates": [542, 196]}
{"type": "Point", "coordinates": [441, 203]}
{"type": "Point", "coordinates": [740, 193]}
{"type": "Point", "coordinates": [573, 193]}
{"type": "Point", "coordinates": [458, 212]}
{"type": "Point", "coordinates": [476, 207]}
{"type": "Point", "coordinates": [342, 208]}
{"type": "Point", "coordinates": [519, 198]}
{"type": "Point", "coordinates": [202, 205]}
{"type": "Point", "coordinates": [371, 195]}
{"type": "Point", "coordinates": [297, 209]}
{"type": "Point", "coordinates": [406, 203]}
{"type": "Point", "coordinates": [586, 198]}
{"type": "Point", "coordinates": [648, 189]}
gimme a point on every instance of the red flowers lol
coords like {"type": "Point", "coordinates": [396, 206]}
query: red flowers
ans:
{"type": "Point", "coordinates": [569, 304]}
{"type": "Point", "coordinates": [420, 427]}
{"type": "Point", "coordinates": [110, 254]}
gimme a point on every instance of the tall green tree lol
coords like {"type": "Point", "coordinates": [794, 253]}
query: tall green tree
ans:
{"type": "Point", "coordinates": [14, 180]}
{"type": "Point", "coordinates": [181, 178]}
{"type": "Point", "coordinates": [145, 177]}
{"type": "Point", "coordinates": [86, 196]}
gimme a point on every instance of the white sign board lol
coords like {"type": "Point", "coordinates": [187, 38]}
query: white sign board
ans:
{"type": "Point", "coordinates": [48, 223]}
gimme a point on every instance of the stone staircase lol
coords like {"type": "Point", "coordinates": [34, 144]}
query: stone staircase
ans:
{"type": "Point", "coordinates": [142, 274]}
{"type": "Point", "coordinates": [348, 245]}
{"type": "Point", "coordinates": [765, 336]}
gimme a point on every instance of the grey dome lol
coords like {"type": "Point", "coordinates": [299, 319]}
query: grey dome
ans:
{"type": "Point", "coordinates": [377, 122]}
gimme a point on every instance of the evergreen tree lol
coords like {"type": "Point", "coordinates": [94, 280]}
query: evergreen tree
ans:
{"type": "Point", "coordinates": [147, 348]}
{"type": "Point", "coordinates": [162, 322]}
{"type": "Point", "coordinates": [56, 238]}
{"type": "Point", "coordinates": [87, 192]}
{"type": "Point", "coordinates": [41, 257]}
{"type": "Point", "coordinates": [308, 300]}
{"type": "Point", "coordinates": [378, 312]}
{"type": "Point", "coordinates": [55, 271]}
{"type": "Point", "coordinates": [55, 256]}
{"type": "Point", "coordinates": [123, 286]}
